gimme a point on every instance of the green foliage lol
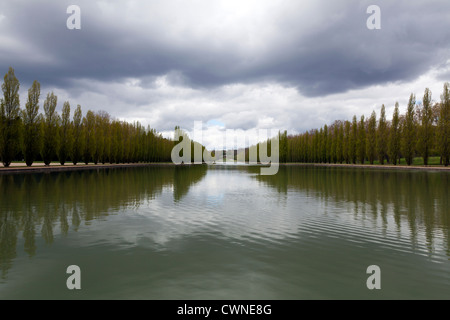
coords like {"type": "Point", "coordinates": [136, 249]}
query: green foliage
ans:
{"type": "Point", "coordinates": [32, 136]}
{"type": "Point", "coordinates": [394, 137]}
{"type": "Point", "coordinates": [51, 121]}
{"type": "Point", "coordinates": [371, 140]}
{"type": "Point", "coordinates": [339, 137]}
{"type": "Point", "coordinates": [324, 140]}
{"type": "Point", "coordinates": [394, 141]}
{"type": "Point", "coordinates": [409, 131]}
{"type": "Point", "coordinates": [102, 121]}
{"type": "Point", "coordinates": [346, 142]}
{"type": "Point", "coordinates": [444, 126]}
{"type": "Point", "coordinates": [382, 136]}
{"type": "Point", "coordinates": [116, 146]}
{"type": "Point", "coordinates": [97, 138]}
{"type": "Point", "coordinates": [283, 146]}
{"type": "Point", "coordinates": [88, 133]}
{"type": "Point", "coordinates": [65, 136]}
{"type": "Point", "coordinates": [353, 140]}
{"type": "Point", "coordinates": [76, 135]}
{"type": "Point", "coordinates": [361, 140]}
{"type": "Point", "coordinates": [425, 137]}
{"type": "Point", "coordinates": [9, 118]}
{"type": "Point", "coordinates": [93, 138]}
{"type": "Point", "coordinates": [332, 145]}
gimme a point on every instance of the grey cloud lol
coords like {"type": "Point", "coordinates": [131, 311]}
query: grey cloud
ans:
{"type": "Point", "coordinates": [339, 54]}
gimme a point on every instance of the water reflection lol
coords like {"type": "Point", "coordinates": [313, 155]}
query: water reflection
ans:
{"type": "Point", "coordinates": [415, 200]}
{"type": "Point", "coordinates": [36, 204]}
{"type": "Point", "coordinates": [225, 232]}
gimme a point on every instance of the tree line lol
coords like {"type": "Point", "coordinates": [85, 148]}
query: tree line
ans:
{"type": "Point", "coordinates": [93, 138]}
{"type": "Point", "coordinates": [423, 131]}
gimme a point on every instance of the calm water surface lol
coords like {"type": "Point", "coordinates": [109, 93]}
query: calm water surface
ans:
{"type": "Point", "coordinates": [225, 232]}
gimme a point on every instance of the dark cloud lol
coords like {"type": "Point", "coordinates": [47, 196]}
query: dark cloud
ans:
{"type": "Point", "coordinates": [333, 55]}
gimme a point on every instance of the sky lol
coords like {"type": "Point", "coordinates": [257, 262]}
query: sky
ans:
{"type": "Point", "coordinates": [233, 65]}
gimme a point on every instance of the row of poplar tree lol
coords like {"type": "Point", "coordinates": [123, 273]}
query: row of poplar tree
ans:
{"type": "Point", "coordinates": [96, 137]}
{"type": "Point", "coordinates": [424, 131]}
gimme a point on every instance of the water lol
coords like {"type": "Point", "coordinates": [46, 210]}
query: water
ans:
{"type": "Point", "coordinates": [225, 232]}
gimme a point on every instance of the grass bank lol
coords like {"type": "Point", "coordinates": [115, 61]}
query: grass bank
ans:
{"type": "Point", "coordinates": [21, 167]}
{"type": "Point", "coordinates": [433, 164]}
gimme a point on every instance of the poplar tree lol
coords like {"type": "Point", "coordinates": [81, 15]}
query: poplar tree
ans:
{"type": "Point", "coordinates": [64, 134]}
{"type": "Point", "coordinates": [346, 144]}
{"type": "Point", "coordinates": [324, 144]}
{"type": "Point", "coordinates": [382, 136]}
{"type": "Point", "coordinates": [88, 136]}
{"type": "Point", "coordinates": [425, 138]}
{"type": "Point", "coordinates": [9, 118]}
{"type": "Point", "coordinates": [98, 139]}
{"type": "Point", "coordinates": [116, 143]}
{"type": "Point", "coordinates": [307, 147]}
{"type": "Point", "coordinates": [50, 129]}
{"type": "Point", "coordinates": [331, 145]}
{"type": "Point", "coordinates": [361, 140]}
{"type": "Point", "coordinates": [394, 137]}
{"type": "Point", "coordinates": [409, 132]}
{"type": "Point", "coordinates": [353, 140]}
{"type": "Point", "coordinates": [107, 141]}
{"type": "Point", "coordinates": [340, 143]}
{"type": "Point", "coordinates": [444, 126]}
{"type": "Point", "coordinates": [319, 140]}
{"type": "Point", "coordinates": [102, 124]}
{"type": "Point", "coordinates": [371, 137]}
{"type": "Point", "coordinates": [77, 135]}
{"type": "Point", "coordinates": [283, 146]}
{"type": "Point", "coordinates": [31, 125]}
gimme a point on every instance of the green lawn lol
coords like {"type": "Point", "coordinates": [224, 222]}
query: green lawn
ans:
{"type": "Point", "coordinates": [417, 161]}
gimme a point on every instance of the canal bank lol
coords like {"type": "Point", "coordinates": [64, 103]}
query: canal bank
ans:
{"type": "Point", "coordinates": [370, 166]}
{"type": "Point", "coordinates": [22, 168]}
{"type": "Point", "coordinates": [40, 168]}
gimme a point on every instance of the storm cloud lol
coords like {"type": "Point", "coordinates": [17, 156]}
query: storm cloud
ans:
{"type": "Point", "coordinates": [178, 61]}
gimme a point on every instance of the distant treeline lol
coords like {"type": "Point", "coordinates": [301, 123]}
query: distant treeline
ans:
{"type": "Point", "coordinates": [96, 137]}
{"type": "Point", "coordinates": [423, 131]}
